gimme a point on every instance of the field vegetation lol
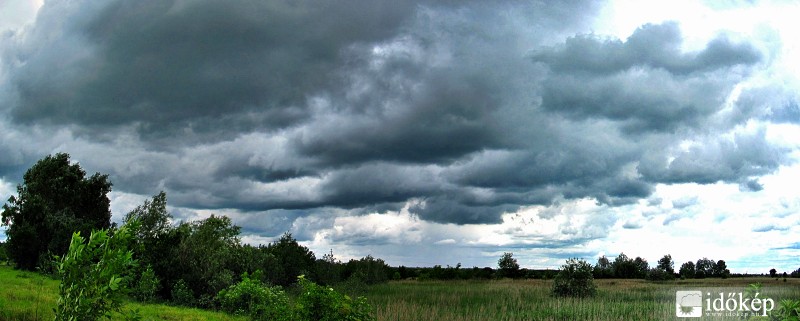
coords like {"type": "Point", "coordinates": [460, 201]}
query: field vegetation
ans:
{"type": "Point", "coordinates": [152, 268]}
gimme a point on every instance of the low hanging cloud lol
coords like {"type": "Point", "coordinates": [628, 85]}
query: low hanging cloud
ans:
{"type": "Point", "coordinates": [282, 111]}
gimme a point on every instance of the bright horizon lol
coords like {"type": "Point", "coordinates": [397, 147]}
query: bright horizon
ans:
{"type": "Point", "coordinates": [424, 133]}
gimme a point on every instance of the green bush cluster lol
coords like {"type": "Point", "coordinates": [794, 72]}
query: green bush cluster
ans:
{"type": "Point", "coordinates": [574, 280]}
{"type": "Point", "coordinates": [315, 302]}
{"type": "Point", "coordinates": [253, 298]}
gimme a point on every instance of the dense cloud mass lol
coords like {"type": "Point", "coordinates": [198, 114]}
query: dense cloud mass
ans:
{"type": "Point", "coordinates": [457, 111]}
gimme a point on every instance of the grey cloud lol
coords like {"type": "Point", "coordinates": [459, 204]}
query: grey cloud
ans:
{"type": "Point", "coordinates": [721, 159]}
{"type": "Point", "coordinates": [654, 46]}
{"type": "Point", "coordinates": [645, 83]}
{"type": "Point", "coordinates": [285, 111]}
{"type": "Point", "coordinates": [170, 66]}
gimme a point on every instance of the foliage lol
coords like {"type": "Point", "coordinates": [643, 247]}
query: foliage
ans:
{"type": "Point", "coordinates": [574, 279]}
{"type": "Point", "coordinates": [319, 303]}
{"type": "Point", "coordinates": [368, 270]}
{"type": "Point", "coordinates": [657, 274]}
{"type": "Point", "coordinates": [146, 286]}
{"type": "Point", "coordinates": [55, 199]}
{"type": "Point", "coordinates": [665, 264]}
{"type": "Point", "coordinates": [253, 298]}
{"type": "Point", "coordinates": [181, 294]}
{"type": "Point", "coordinates": [293, 259]}
{"type": "Point", "coordinates": [507, 266]}
{"type": "Point", "coordinates": [204, 256]}
{"type": "Point", "coordinates": [788, 310]}
{"type": "Point", "coordinates": [687, 270]}
{"type": "Point", "coordinates": [604, 268]}
{"type": "Point", "coordinates": [704, 268]}
{"type": "Point", "coordinates": [94, 275]}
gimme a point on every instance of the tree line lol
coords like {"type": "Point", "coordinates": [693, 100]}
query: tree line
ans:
{"type": "Point", "coordinates": [187, 263]}
{"type": "Point", "coordinates": [191, 262]}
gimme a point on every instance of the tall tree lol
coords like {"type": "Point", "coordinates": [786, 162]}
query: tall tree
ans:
{"type": "Point", "coordinates": [294, 258]}
{"type": "Point", "coordinates": [687, 270]}
{"type": "Point", "coordinates": [665, 264]}
{"type": "Point", "coordinates": [508, 266]}
{"type": "Point", "coordinates": [55, 200]}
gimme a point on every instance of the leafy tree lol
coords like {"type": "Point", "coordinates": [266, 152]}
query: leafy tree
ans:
{"type": "Point", "coordinates": [604, 268]}
{"type": "Point", "coordinates": [641, 267]}
{"type": "Point", "coordinates": [574, 279]}
{"type": "Point", "coordinates": [150, 226]}
{"type": "Point", "coordinates": [704, 268]}
{"type": "Point", "coordinates": [294, 259]}
{"type": "Point", "coordinates": [55, 200]}
{"type": "Point", "coordinates": [721, 269]}
{"type": "Point", "coordinates": [624, 267]}
{"type": "Point", "coordinates": [328, 269]}
{"type": "Point", "coordinates": [368, 270]}
{"type": "Point", "coordinates": [687, 270]}
{"type": "Point", "coordinates": [94, 276]}
{"type": "Point", "coordinates": [204, 256]}
{"type": "Point", "coordinates": [773, 273]}
{"type": "Point", "coordinates": [507, 266]}
{"type": "Point", "coordinates": [665, 264]}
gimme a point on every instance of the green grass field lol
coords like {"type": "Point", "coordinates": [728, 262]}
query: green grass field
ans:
{"type": "Point", "coordinates": [500, 300]}
{"type": "Point", "coordinates": [30, 296]}
{"type": "Point", "coordinates": [27, 296]}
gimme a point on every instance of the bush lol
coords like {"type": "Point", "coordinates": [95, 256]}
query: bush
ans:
{"type": "Point", "coordinates": [657, 274]}
{"type": "Point", "coordinates": [147, 286]}
{"type": "Point", "coordinates": [94, 276]}
{"type": "Point", "coordinates": [181, 294]}
{"type": "Point", "coordinates": [253, 298]}
{"type": "Point", "coordinates": [320, 303]}
{"type": "Point", "coordinates": [574, 280]}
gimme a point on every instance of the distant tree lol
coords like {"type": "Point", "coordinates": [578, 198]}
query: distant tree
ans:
{"type": "Point", "coordinates": [704, 268]}
{"type": "Point", "coordinates": [721, 269]}
{"type": "Point", "coordinates": [603, 268]}
{"type": "Point", "coordinates": [55, 200]}
{"type": "Point", "coordinates": [773, 273]}
{"type": "Point", "coordinates": [204, 256]}
{"type": "Point", "coordinates": [687, 270]}
{"type": "Point", "coordinates": [507, 266]}
{"type": "Point", "coordinates": [294, 259]}
{"type": "Point", "coordinates": [370, 270]}
{"type": "Point", "coordinates": [665, 264]}
{"type": "Point", "coordinates": [641, 267]}
{"type": "Point", "coordinates": [624, 267]}
{"type": "Point", "coordinates": [574, 280]}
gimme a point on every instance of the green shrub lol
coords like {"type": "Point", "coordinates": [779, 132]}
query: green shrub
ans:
{"type": "Point", "coordinates": [147, 286]}
{"type": "Point", "coordinates": [181, 294]}
{"type": "Point", "coordinates": [657, 274]}
{"type": "Point", "coordinates": [318, 303]}
{"type": "Point", "coordinates": [574, 280]}
{"type": "Point", "coordinates": [253, 298]}
{"type": "Point", "coordinates": [94, 276]}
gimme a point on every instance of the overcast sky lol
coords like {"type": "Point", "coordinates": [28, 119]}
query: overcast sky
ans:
{"type": "Point", "coordinates": [427, 132]}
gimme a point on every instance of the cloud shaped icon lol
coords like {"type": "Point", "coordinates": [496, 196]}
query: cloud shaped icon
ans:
{"type": "Point", "coordinates": [691, 300]}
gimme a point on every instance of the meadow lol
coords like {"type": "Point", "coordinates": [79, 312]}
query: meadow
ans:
{"type": "Point", "coordinates": [30, 296]}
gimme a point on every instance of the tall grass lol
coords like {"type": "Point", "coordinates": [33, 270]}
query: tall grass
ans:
{"type": "Point", "coordinates": [531, 299]}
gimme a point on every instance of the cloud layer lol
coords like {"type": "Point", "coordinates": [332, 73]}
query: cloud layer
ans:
{"type": "Point", "coordinates": [454, 112]}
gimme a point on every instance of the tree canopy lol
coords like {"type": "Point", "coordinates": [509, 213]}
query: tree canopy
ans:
{"type": "Point", "coordinates": [55, 199]}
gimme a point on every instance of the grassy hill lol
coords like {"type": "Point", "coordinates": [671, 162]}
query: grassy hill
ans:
{"type": "Point", "coordinates": [27, 296]}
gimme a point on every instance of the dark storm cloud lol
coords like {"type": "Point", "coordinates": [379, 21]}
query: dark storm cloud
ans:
{"type": "Point", "coordinates": [204, 66]}
{"type": "Point", "coordinates": [646, 82]}
{"type": "Point", "coordinates": [281, 111]}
